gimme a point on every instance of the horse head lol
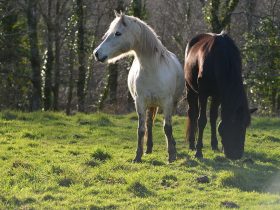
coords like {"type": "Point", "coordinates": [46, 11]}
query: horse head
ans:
{"type": "Point", "coordinates": [232, 132]}
{"type": "Point", "coordinates": [116, 41]}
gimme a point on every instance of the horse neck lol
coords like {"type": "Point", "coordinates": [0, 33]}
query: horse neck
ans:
{"type": "Point", "coordinates": [148, 52]}
{"type": "Point", "coordinates": [230, 104]}
{"type": "Point", "coordinates": [147, 61]}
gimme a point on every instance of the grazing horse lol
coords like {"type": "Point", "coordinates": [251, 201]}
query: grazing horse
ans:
{"type": "Point", "coordinates": [213, 68]}
{"type": "Point", "coordinates": [156, 77]}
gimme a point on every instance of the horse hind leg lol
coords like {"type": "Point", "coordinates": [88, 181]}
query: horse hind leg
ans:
{"type": "Point", "coordinates": [171, 144]}
{"type": "Point", "coordinates": [192, 115]}
{"type": "Point", "coordinates": [202, 120]}
{"type": "Point", "coordinates": [151, 113]}
{"type": "Point", "coordinates": [213, 119]}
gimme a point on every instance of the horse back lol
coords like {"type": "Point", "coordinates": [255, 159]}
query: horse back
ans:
{"type": "Point", "coordinates": [211, 62]}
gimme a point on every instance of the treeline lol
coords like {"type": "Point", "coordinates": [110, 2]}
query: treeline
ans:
{"type": "Point", "coordinates": [46, 60]}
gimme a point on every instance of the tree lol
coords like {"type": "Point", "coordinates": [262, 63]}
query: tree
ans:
{"type": "Point", "coordinates": [50, 56]}
{"type": "Point", "coordinates": [32, 21]}
{"type": "Point", "coordinates": [250, 7]}
{"type": "Point", "coordinates": [60, 12]}
{"type": "Point", "coordinates": [262, 56]}
{"type": "Point", "coordinates": [110, 89]}
{"type": "Point", "coordinates": [14, 80]}
{"type": "Point", "coordinates": [138, 8]}
{"type": "Point", "coordinates": [218, 14]}
{"type": "Point", "coordinates": [81, 55]}
{"type": "Point", "coordinates": [53, 21]}
{"type": "Point", "coordinates": [71, 40]}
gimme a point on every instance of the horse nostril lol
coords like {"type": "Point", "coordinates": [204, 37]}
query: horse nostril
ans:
{"type": "Point", "coordinates": [96, 54]}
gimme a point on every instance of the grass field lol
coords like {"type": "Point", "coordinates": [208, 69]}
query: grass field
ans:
{"type": "Point", "coordinates": [52, 161]}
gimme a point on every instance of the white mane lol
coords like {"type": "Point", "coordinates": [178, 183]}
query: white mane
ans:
{"type": "Point", "coordinates": [146, 38]}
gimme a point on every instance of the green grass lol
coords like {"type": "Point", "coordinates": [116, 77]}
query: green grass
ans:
{"type": "Point", "coordinates": [52, 161]}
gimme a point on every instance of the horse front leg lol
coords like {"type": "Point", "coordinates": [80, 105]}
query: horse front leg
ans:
{"type": "Point", "coordinates": [141, 131]}
{"type": "Point", "coordinates": [202, 120]}
{"type": "Point", "coordinates": [149, 128]}
{"type": "Point", "coordinates": [167, 126]}
{"type": "Point", "coordinates": [213, 119]}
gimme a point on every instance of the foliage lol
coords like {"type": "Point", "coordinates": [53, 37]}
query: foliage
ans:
{"type": "Point", "coordinates": [217, 14]}
{"type": "Point", "coordinates": [262, 59]}
{"type": "Point", "coordinates": [53, 161]}
{"type": "Point", "coordinates": [137, 8]}
{"type": "Point", "coordinates": [81, 55]}
{"type": "Point", "coordinates": [14, 81]}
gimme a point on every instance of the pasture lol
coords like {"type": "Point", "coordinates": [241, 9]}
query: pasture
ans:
{"type": "Point", "coordinates": [53, 161]}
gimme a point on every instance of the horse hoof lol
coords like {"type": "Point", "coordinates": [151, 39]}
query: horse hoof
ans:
{"type": "Point", "coordinates": [172, 158]}
{"type": "Point", "coordinates": [198, 155]}
{"type": "Point", "coordinates": [149, 151]}
{"type": "Point", "coordinates": [192, 147]}
{"type": "Point", "coordinates": [137, 160]}
{"type": "Point", "coordinates": [215, 149]}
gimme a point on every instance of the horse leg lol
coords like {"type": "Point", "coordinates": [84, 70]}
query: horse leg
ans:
{"type": "Point", "coordinates": [202, 120]}
{"type": "Point", "coordinates": [151, 113]}
{"type": "Point", "coordinates": [141, 130]}
{"type": "Point", "coordinates": [192, 114]}
{"type": "Point", "coordinates": [213, 119]}
{"type": "Point", "coordinates": [167, 126]}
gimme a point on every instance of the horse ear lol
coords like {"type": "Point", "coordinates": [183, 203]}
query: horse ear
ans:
{"type": "Point", "coordinates": [117, 14]}
{"type": "Point", "coordinates": [252, 110]}
{"type": "Point", "coordinates": [123, 19]}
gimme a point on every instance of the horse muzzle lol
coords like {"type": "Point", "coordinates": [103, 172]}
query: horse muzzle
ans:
{"type": "Point", "coordinates": [99, 57]}
{"type": "Point", "coordinates": [233, 154]}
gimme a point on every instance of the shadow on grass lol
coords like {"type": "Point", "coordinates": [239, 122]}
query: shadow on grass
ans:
{"type": "Point", "coordinates": [101, 121]}
{"type": "Point", "coordinates": [156, 162]}
{"type": "Point", "coordinates": [94, 207]}
{"type": "Point", "coordinates": [139, 190]}
{"type": "Point", "coordinates": [253, 175]}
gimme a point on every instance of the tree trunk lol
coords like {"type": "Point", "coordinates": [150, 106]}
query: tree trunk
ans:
{"type": "Point", "coordinates": [71, 84]}
{"type": "Point", "coordinates": [278, 102]}
{"type": "Point", "coordinates": [88, 88]}
{"type": "Point", "coordinates": [250, 8]}
{"type": "Point", "coordinates": [50, 58]}
{"type": "Point", "coordinates": [110, 88]}
{"type": "Point", "coordinates": [274, 99]}
{"type": "Point", "coordinates": [103, 96]}
{"type": "Point", "coordinates": [215, 22]}
{"type": "Point", "coordinates": [57, 58]}
{"type": "Point", "coordinates": [81, 57]}
{"type": "Point", "coordinates": [35, 103]}
{"type": "Point", "coordinates": [71, 42]}
{"type": "Point", "coordinates": [220, 17]}
{"type": "Point", "coordinates": [113, 82]}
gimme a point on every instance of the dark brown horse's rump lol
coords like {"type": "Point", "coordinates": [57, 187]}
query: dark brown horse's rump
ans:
{"type": "Point", "coordinates": [213, 68]}
{"type": "Point", "coordinates": [214, 59]}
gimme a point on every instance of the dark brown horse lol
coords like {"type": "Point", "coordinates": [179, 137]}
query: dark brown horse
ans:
{"type": "Point", "coordinates": [213, 68]}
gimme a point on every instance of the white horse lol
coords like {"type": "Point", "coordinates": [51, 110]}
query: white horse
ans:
{"type": "Point", "coordinates": [156, 77]}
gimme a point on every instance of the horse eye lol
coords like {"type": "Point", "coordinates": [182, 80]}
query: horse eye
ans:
{"type": "Point", "coordinates": [118, 33]}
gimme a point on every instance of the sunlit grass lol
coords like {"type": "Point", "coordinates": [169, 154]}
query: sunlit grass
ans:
{"type": "Point", "coordinates": [53, 161]}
